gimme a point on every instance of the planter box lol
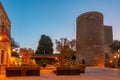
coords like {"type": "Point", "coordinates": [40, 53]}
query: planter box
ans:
{"type": "Point", "coordinates": [82, 69]}
{"type": "Point", "coordinates": [67, 71]}
{"type": "Point", "coordinates": [33, 72]}
{"type": "Point", "coordinates": [22, 71]}
{"type": "Point", "coordinates": [13, 71]}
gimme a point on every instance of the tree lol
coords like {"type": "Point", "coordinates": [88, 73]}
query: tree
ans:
{"type": "Point", "coordinates": [67, 49]}
{"type": "Point", "coordinates": [115, 48]}
{"type": "Point", "coordinates": [14, 44]}
{"type": "Point", "coordinates": [63, 42]}
{"type": "Point", "coordinates": [45, 45]}
{"type": "Point", "coordinates": [26, 55]}
{"type": "Point", "coordinates": [14, 54]}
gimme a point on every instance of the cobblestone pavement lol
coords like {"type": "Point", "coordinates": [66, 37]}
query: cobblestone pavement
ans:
{"type": "Point", "coordinates": [90, 74]}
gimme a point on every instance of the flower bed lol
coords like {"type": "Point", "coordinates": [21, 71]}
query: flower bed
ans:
{"type": "Point", "coordinates": [70, 70]}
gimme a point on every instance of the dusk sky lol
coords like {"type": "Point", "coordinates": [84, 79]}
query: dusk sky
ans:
{"type": "Point", "coordinates": [55, 18]}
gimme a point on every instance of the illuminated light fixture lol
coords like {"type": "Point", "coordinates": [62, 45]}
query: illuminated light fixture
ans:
{"type": "Point", "coordinates": [13, 50]}
{"type": "Point", "coordinates": [55, 58]}
{"type": "Point", "coordinates": [110, 61]}
{"type": "Point", "coordinates": [115, 57]}
{"type": "Point", "coordinates": [0, 38]}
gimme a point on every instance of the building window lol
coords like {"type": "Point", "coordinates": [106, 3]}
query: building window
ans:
{"type": "Point", "coordinates": [2, 56]}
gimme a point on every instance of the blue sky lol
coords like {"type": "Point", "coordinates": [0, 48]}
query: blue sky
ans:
{"type": "Point", "coordinates": [55, 18]}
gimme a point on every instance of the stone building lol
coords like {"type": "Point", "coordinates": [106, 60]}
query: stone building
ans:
{"type": "Point", "coordinates": [108, 36]}
{"type": "Point", "coordinates": [5, 29]}
{"type": "Point", "coordinates": [91, 38]}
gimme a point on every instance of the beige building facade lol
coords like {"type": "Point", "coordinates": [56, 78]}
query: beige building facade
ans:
{"type": "Point", "coordinates": [5, 30]}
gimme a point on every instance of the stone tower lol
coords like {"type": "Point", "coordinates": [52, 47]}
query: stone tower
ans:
{"type": "Point", "coordinates": [5, 29]}
{"type": "Point", "coordinates": [90, 39]}
{"type": "Point", "coordinates": [108, 35]}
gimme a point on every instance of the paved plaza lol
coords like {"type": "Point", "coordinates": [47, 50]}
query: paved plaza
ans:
{"type": "Point", "coordinates": [91, 73]}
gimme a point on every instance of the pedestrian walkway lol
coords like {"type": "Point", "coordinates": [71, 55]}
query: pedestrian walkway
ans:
{"type": "Point", "coordinates": [91, 73]}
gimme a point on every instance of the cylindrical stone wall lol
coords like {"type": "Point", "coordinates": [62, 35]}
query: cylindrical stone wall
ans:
{"type": "Point", "coordinates": [90, 39]}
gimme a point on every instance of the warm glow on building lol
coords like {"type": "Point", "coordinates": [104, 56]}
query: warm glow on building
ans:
{"type": "Point", "coordinates": [5, 47]}
{"type": "Point", "coordinates": [0, 38]}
